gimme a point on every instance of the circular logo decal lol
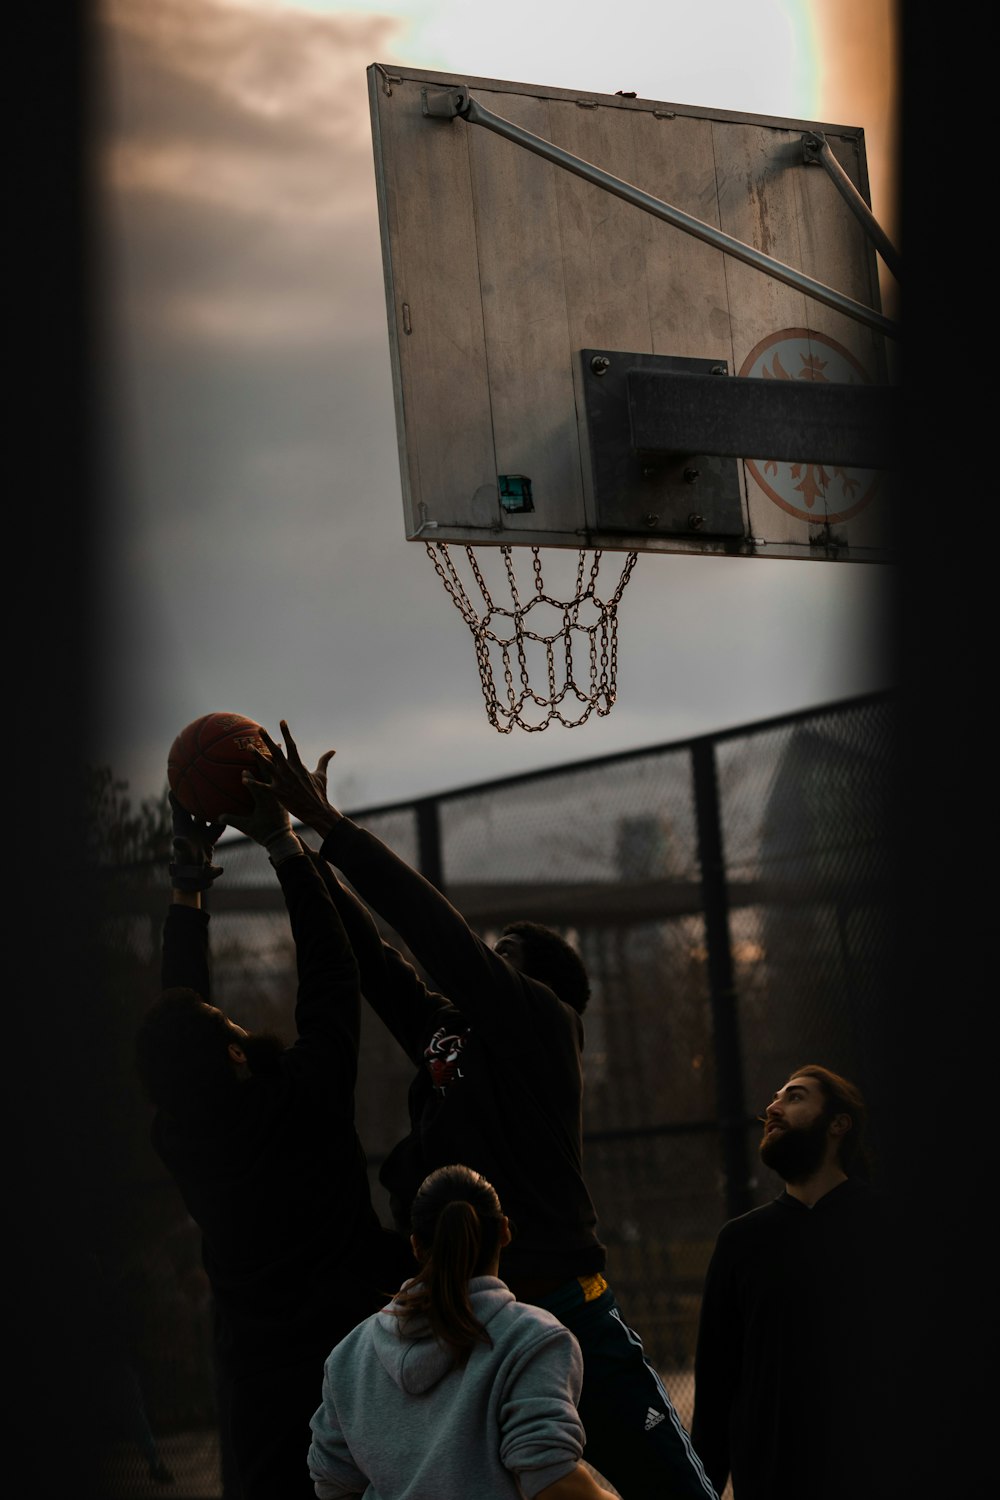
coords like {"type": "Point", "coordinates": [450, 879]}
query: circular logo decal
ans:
{"type": "Point", "coordinates": [813, 492]}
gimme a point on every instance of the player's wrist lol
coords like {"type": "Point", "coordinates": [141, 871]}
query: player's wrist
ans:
{"type": "Point", "coordinates": [324, 822]}
{"type": "Point", "coordinates": [282, 845]}
{"type": "Point", "coordinates": [193, 875]}
{"type": "Point", "coordinates": [181, 897]}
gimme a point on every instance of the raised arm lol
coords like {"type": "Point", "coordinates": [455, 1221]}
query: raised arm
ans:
{"type": "Point", "coordinates": [327, 1009]}
{"type": "Point", "coordinates": [184, 955]}
{"type": "Point", "coordinates": [392, 987]}
{"type": "Point", "coordinates": [435, 932]}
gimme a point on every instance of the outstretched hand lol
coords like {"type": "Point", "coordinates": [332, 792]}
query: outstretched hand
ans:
{"type": "Point", "coordinates": [266, 821]}
{"type": "Point", "coordinates": [191, 868]}
{"type": "Point", "coordinates": [300, 791]}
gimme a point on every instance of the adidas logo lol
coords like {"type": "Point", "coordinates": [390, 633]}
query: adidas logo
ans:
{"type": "Point", "coordinates": [652, 1417]}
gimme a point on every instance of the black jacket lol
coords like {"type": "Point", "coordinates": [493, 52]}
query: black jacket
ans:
{"type": "Point", "coordinates": [278, 1181]}
{"type": "Point", "coordinates": [499, 1058]}
{"type": "Point", "coordinates": [788, 1391]}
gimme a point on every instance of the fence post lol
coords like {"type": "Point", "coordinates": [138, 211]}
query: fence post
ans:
{"type": "Point", "coordinates": [730, 1105]}
{"type": "Point", "coordinates": [429, 860]}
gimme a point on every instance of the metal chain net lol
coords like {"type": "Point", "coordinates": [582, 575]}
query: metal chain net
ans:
{"type": "Point", "coordinates": [506, 654]}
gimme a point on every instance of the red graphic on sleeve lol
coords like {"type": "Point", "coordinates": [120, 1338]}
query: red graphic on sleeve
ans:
{"type": "Point", "coordinates": [443, 1053]}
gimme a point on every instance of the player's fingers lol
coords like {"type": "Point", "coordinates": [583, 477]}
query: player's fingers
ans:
{"type": "Point", "coordinates": [272, 745]}
{"type": "Point", "coordinates": [265, 763]}
{"type": "Point", "coordinates": [324, 761]}
{"type": "Point", "coordinates": [254, 786]}
{"type": "Point", "coordinates": [293, 749]}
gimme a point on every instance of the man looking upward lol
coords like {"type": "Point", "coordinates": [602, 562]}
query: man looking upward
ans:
{"type": "Point", "coordinates": [786, 1383]}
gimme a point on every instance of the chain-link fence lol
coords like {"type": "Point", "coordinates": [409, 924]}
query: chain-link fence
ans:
{"type": "Point", "coordinates": [730, 897]}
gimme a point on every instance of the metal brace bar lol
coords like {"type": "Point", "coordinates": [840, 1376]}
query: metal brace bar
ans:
{"type": "Point", "coordinates": [798, 421]}
{"type": "Point", "coordinates": [816, 150]}
{"type": "Point", "coordinates": [457, 101]}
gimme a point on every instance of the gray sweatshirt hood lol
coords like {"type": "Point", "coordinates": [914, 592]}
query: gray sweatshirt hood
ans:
{"type": "Point", "coordinates": [416, 1361]}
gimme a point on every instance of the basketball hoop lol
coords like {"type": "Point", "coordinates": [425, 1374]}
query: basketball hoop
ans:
{"type": "Point", "coordinates": [502, 650]}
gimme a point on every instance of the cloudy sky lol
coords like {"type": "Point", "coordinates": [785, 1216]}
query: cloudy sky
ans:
{"type": "Point", "coordinates": [255, 549]}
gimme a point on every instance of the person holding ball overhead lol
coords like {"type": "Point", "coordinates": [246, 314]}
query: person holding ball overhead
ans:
{"type": "Point", "coordinates": [260, 1140]}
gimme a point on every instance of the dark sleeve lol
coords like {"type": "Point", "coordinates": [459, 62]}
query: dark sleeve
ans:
{"type": "Point", "coordinates": [327, 1008]}
{"type": "Point", "coordinates": [489, 991]}
{"type": "Point", "coordinates": [392, 987]}
{"type": "Point", "coordinates": [184, 954]}
{"type": "Point", "coordinates": [716, 1368]}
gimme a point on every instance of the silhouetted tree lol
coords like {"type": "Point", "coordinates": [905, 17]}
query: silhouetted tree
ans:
{"type": "Point", "coordinates": [117, 835]}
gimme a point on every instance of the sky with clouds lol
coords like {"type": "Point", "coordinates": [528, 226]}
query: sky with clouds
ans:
{"type": "Point", "coordinates": [255, 556]}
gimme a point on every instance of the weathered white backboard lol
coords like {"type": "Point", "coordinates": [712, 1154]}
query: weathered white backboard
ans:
{"type": "Point", "coordinates": [514, 287]}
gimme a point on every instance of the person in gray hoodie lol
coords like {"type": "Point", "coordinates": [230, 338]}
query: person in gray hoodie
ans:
{"type": "Point", "coordinates": [453, 1389]}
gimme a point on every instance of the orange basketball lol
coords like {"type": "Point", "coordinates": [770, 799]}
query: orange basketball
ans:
{"type": "Point", "coordinates": [206, 763]}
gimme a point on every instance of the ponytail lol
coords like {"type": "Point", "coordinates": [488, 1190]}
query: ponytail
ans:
{"type": "Point", "coordinates": [457, 1221]}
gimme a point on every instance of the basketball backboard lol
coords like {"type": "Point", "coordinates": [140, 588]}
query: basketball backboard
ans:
{"type": "Point", "coordinates": [547, 336]}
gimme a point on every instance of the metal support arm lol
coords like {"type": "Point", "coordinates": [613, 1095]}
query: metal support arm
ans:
{"type": "Point", "coordinates": [816, 151]}
{"type": "Point", "coordinates": [457, 101]}
{"type": "Point", "coordinates": [796, 421]}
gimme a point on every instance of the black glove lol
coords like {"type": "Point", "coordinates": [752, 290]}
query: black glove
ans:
{"type": "Point", "coordinates": [194, 844]}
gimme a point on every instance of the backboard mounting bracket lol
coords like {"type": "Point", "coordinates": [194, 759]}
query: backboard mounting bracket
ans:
{"type": "Point", "coordinates": [641, 484]}
{"type": "Point", "coordinates": [665, 434]}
